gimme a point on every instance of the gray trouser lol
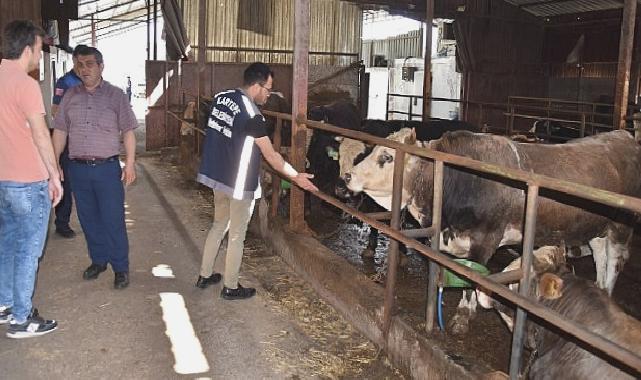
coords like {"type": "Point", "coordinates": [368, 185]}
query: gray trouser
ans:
{"type": "Point", "coordinates": [229, 215]}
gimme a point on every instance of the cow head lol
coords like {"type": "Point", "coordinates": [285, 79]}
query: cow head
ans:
{"type": "Point", "coordinates": [375, 173]}
{"type": "Point", "coordinates": [547, 264]}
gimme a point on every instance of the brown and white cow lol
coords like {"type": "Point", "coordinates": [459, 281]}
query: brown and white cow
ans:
{"type": "Point", "coordinates": [577, 300]}
{"type": "Point", "coordinates": [480, 215]}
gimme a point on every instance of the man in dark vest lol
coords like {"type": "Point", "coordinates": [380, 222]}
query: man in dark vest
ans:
{"type": "Point", "coordinates": [236, 137]}
{"type": "Point", "coordinates": [63, 210]}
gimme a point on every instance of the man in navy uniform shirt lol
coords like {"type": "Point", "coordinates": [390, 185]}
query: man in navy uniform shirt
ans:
{"type": "Point", "coordinates": [236, 137]}
{"type": "Point", "coordinates": [63, 210]}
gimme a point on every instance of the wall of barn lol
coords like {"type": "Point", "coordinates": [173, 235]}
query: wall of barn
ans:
{"type": "Point", "coordinates": [581, 57]}
{"type": "Point", "coordinates": [499, 52]}
{"type": "Point", "coordinates": [263, 30]}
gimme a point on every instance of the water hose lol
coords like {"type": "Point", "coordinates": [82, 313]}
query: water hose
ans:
{"type": "Point", "coordinates": [439, 309]}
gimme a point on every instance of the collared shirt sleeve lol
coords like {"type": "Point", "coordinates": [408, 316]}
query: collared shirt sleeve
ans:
{"type": "Point", "coordinates": [256, 127]}
{"type": "Point", "coordinates": [126, 117]}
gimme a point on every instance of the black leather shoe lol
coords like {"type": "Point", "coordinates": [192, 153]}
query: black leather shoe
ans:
{"type": "Point", "coordinates": [66, 233]}
{"type": "Point", "coordinates": [121, 280]}
{"type": "Point", "coordinates": [93, 271]}
{"type": "Point", "coordinates": [204, 282]}
{"type": "Point", "coordinates": [237, 294]}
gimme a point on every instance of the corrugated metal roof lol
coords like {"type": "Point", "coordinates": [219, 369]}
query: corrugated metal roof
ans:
{"type": "Point", "coordinates": [111, 17]}
{"type": "Point", "coordinates": [550, 8]}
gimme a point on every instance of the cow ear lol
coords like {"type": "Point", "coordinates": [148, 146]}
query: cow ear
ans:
{"type": "Point", "coordinates": [550, 286]}
{"type": "Point", "coordinates": [411, 139]}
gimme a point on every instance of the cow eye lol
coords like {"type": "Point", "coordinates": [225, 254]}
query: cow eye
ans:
{"type": "Point", "coordinates": [385, 157]}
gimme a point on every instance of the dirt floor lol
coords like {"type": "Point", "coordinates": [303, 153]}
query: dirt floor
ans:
{"type": "Point", "coordinates": [285, 332]}
{"type": "Point", "coordinates": [489, 339]}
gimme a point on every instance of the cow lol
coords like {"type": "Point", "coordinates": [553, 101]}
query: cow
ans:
{"type": "Point", "coordinates": [553, 131]}
{"type": "Point", "coordinates": [479, 215]}
{"type": "Point", "coordinates": [579, 301]}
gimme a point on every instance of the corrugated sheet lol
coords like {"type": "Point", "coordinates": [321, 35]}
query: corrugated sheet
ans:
{"type": "Point", "coordinates": [335, 27]}
{"type": "Point", "coordinates": [556, 8]}
{"type": "Point", "coordinates": [403, 46]}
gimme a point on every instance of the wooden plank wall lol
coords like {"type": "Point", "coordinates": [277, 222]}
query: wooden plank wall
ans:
{"type": "Point", "coordinates": [18, 9]}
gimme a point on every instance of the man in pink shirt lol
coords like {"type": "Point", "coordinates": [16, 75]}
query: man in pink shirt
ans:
{"type": "Point", "coordinates": [29, 180]}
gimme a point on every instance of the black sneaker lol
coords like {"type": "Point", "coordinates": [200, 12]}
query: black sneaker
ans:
{"type": "Point", "coordinates": [204, 282]}
{"type": "Point", "coordinates": [5, 315]}
{"type": "Point", "coordinates": [66, 232]}
{"type": "Point", "coordinates": [237, 294]}
{"type": "Point", "coordinates": [93, 271]}
{"type": "Point", "coordinates": [33, 327]}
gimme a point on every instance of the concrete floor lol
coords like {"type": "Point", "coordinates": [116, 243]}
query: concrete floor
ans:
{"type": "Point", "coordinates": [131, 334]}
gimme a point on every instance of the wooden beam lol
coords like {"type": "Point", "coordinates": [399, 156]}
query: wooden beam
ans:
{"type": "Point", "coordinates": [299, 109]}
{"type": "Point", "coordinates": [625, 58]}
{"type": "Point", "coordinates": [427, 77]}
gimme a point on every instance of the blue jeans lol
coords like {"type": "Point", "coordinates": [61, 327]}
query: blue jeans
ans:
{"type": "Point", "coordinates": [24, 217]}
{"type": "Point", "coordinates": [100, 203]}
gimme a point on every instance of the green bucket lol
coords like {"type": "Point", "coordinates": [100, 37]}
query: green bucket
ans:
{"type": "Point", "coordinates": [450, 280]}
{"type": "Point", "coordinates": [285, 184]}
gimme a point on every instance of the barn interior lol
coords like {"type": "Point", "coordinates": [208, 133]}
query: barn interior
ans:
{"type": "Point", "coordinates": [575, 62]}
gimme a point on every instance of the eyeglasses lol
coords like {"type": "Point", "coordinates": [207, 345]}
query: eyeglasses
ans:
{"type": "Point", "coordinates": [269, 90]}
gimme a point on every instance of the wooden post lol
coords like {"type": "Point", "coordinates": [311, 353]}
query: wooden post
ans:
{"type": "Point", "coordinates": [623, 68]}
{"type": "Point", "coordinates": [427, 80]}
{"type": "Point", "coordinates": [299, 109]}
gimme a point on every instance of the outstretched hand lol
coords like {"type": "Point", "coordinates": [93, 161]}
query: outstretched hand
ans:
{"type": "Point", "coordinates": [303, 181]}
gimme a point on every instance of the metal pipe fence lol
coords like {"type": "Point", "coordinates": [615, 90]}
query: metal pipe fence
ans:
{"type": "Point", "coordinates": [524, 305]}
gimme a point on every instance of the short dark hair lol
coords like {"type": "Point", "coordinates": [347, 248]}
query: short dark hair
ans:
{"type": "Point", "coordinates": [88, 50]}
{"type": "Point", "coordinates": [19, 34]}
{"type": "Point", "coordinates": [78, 49]}
{"type": "Point", "coordinates": [257, 72]}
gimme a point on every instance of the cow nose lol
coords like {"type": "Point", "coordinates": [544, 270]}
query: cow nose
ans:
{"type": "Point", "coordinates": [348, 177]}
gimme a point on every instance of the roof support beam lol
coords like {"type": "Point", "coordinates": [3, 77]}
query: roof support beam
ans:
{"type": "Point", "coordinates": [625, 59]}
{"type": "Point", "coordinates": [427, 80]}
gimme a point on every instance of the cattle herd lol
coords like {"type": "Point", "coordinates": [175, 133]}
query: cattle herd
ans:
{"type": "Point", "coordinates": [481, 214]}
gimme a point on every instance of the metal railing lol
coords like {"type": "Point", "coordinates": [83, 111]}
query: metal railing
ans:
{"type": "Point", "coordinates": [582, 116]}
{"type": "Point", "coordinates": [534, 182]}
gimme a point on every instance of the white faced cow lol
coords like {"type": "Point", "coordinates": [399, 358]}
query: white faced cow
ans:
{"type": "Point", "coordinates": [480, 215]}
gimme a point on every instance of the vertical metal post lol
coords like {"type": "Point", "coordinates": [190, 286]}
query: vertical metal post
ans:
{"type": "Point", "coordinates": [481, 115]}
{"type": "Point", "coordinates": [392, 256]}
{"type": "Point", "coordinates": [387, 106]}
{"type": "Point", "coordinates": [427, 77]}
{"type": "Point", "coordinates": [409, 110]}
{"type": "Point", "coordinates": [155, 30]}
{"type": "Point", "coordinates": [437, 209]}
{"type": "Point", "coordinates": [148, 29]}
{"type": "Point", "coordinates": [165, 86]}
{"type": "Point", "coordinates": [202, 44]}
{"type": "Point", "coordinates": [276, 178]}
{"type": "Point", "coordinates": [93, 31]}
{"type": "Point", "coordinates": [299, 108]}
{"type": "Point", "coordinates": [524, 285]}
{"type": "Point", "coordinates": [623, 67]}
{"type": "Point", "coordinates": [582, 124]}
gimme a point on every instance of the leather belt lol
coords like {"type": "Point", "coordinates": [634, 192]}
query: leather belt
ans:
{"type": "Point", "coordinates": [94, 160]}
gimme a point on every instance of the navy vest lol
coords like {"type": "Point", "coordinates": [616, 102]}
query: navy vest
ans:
{"type": "Point", "coordinates": [230, 160]}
